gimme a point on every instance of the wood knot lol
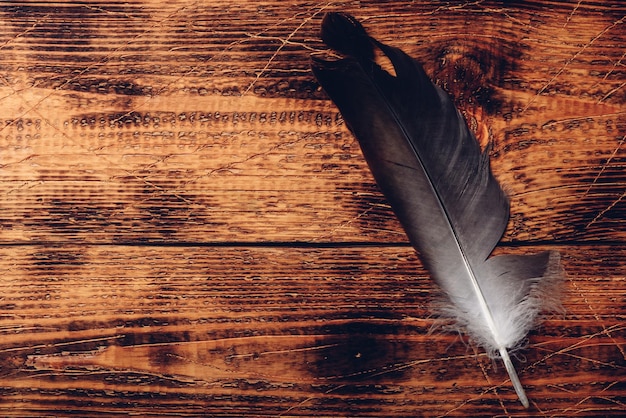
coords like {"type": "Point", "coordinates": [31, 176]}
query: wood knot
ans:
{"type": "Point", "coordinates": [472, 73]}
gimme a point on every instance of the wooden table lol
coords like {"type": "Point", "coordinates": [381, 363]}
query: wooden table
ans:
{"type": "Point", "coordinates": [187, 228]}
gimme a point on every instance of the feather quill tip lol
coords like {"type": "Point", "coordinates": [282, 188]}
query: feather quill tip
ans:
{"type": "Point", "coordinates": [517, 385]}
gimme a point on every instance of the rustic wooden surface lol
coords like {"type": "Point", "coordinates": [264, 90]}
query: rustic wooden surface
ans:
{"type": "Point", "coordinates": [188, 229]}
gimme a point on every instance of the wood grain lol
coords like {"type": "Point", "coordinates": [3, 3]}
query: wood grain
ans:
{"type": "Point", "coordinates": [187, 228]}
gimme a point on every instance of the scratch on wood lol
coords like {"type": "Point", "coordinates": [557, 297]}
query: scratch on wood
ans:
{"type": "Point", "coordinates": [570, 60]}
{"type": "Point", "coordinates": [343, 225]}
{"type": "Point", "coordinates": [611, 92]}
{"type": "Point", "coordinates": [581, 118]}
{"type": "Point", "coordinates": [585, 339]}
{"type": "Point", "coordinates": [574, 410]}
{"type": "Point", "coordinates": [284, 42]}
{"type": "Point", "coordinates": [109, 12]}
{"type": "Point", "coordinates": [608, 208]}
{"type": "Point", "coordinates": [572, 13]}
{"type": "Point", "coordinates": [618, 63]}
{"type": "Point", "coordinates": [290, 350]}
{"type": "Point", "coordinates": [65, 343]}
{"type": "Point", "coordinates": [604, 166]}
{"type": "Point", "coordinates": [25, 32]}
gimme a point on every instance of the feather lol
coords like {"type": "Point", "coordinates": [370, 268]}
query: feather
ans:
{"type": "Point", "coordinates": [430, 168]}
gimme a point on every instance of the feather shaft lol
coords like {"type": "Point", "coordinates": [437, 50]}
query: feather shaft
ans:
{"type": "Point", "coordinates": [437, 180]}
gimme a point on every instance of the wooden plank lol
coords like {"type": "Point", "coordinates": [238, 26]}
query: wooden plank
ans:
{"type": "Point", "coordinates": [285, 331]}
{"type": "Point", "coordinates": [202, 123]}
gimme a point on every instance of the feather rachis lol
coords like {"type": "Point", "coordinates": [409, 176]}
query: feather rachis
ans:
{"type": "Point", "coordinates": [438, 181]}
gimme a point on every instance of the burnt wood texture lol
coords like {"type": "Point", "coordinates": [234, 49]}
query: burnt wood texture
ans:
{"type": "Point", "coordinates": [187, 228]}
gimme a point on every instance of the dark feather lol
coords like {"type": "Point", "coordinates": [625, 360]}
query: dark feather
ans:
{"type": "Point", "coordinates": [432, 171]}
